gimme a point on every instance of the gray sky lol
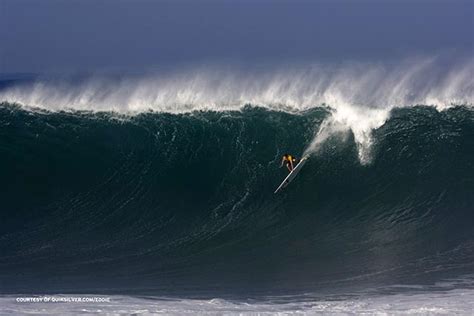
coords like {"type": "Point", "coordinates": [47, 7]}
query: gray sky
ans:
{"type": "Point", "coordinates": [56, 36]}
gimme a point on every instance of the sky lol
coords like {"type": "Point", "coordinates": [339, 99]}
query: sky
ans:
{"type": "Point", "coordinates": [67, 36]}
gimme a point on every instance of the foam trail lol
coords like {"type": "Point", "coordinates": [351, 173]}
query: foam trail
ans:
{"type": "Point", "coordinates": [360, 121]}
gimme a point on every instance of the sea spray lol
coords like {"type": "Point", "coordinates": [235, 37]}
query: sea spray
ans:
{"type": "Point", "coordinates": [288, 88]}
{"type": "Point", "coordinates": [344, 119]}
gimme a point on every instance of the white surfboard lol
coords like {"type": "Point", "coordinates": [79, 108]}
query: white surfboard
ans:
{"type": "Point", "coordinates": [292, 174]}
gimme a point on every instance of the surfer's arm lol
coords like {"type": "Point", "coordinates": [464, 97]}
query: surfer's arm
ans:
{"type": "Point", "coordinates": [282, 162]}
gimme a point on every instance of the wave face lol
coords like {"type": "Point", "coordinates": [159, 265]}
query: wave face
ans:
{"type": "Point", "coordinates": [183, 202]}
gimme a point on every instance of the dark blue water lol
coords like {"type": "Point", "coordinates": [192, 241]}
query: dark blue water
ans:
{"type": "Point", "coordinates": [183, 203]}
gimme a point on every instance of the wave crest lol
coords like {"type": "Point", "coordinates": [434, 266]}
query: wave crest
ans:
{"type": "Point", "coordinates": [360, 95]}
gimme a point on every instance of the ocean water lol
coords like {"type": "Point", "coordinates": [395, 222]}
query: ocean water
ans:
{"type": "Point", "coordinates": [157, 192]}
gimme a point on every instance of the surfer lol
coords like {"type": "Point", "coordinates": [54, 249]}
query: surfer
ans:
{"type": "Point", "coordinates": [289, 160]}
{"type": "Point", "coordinates": [294, 166]}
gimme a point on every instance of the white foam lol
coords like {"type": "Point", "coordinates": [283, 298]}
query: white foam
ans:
{"type": "Point", "coordinates": [459, 301]}
{"type": "Point", "coordinates": [361, 121]}
{"type": "Point", "coordinates": [420, 81]}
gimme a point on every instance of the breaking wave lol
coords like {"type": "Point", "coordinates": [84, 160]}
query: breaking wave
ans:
{"type": "Point", "coordinates": [165, 182]}
{"type": "Point", "coordinates": [184, 202]}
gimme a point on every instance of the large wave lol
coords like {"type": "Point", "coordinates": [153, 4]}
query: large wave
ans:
{"type": "Point", "coordinates": [183, 202]}
{"type": "Point", "coordinates": [165, 181]}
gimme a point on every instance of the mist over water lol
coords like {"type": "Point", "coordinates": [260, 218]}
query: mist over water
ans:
{"type": "Point", "coordinates": [288, 87]}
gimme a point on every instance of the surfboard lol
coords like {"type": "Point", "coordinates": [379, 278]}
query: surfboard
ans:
{"type": "Point", "coordinates": [292, 174]}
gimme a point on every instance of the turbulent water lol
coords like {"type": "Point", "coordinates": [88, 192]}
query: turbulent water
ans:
{"type": "Point", "coordinates": [180, 202]}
